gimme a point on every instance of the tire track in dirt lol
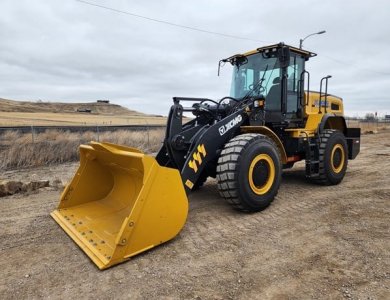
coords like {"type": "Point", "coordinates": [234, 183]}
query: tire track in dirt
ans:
{"type": "Point", "coordinates": [222, 224]}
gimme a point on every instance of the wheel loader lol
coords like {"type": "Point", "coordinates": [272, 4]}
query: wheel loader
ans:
{"type": "Point", "coordinates": [122, 202]}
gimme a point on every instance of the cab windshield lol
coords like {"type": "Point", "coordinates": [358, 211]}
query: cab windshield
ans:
{"type": "Point", "coordinates": [247, 76]}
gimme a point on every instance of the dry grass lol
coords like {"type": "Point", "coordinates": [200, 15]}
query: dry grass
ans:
{"type": "Point", "coordinates": [52, 147]}
{"type": "Point", "coordinates": [367, 126]}
{"type": "Point", "coordinates": [10, 136]}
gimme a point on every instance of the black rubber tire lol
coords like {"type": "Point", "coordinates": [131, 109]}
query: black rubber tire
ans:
{"type": "Point", "coordinates": [328, 139]}
{"type": "Point", "coordinates": [233, 171]}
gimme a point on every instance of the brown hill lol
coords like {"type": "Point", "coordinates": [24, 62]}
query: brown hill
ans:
{"type": "Point", "coordinates": [59, 107]}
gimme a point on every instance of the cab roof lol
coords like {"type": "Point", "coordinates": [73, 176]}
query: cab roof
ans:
{"type": "Point", "coordinates": [271, 48]}
{"type": "Point", "coordinates": [305, 53]}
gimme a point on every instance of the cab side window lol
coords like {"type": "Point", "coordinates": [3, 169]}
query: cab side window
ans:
{"type": "Point", "coordinates": [294, 72]}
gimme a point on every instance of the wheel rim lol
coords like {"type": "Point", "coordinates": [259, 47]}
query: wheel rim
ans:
{"type": "Point", "coordinates": [261, 174]}
{"type": "Point", "coordinates": [337, 158]}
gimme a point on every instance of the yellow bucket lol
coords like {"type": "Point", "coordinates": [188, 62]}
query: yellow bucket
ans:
{"type": "Point", "coordinates": [121, 202]}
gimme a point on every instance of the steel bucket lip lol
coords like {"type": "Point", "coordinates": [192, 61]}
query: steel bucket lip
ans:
{"type": "Point", "coordinates": [99, 260]}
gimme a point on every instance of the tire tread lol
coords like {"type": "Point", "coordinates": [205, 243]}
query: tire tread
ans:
{"type": "Point", "coordinates": [228, 166]}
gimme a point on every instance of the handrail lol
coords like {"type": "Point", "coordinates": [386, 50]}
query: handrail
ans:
{"type": "Point", "coordinates": [326, 78]}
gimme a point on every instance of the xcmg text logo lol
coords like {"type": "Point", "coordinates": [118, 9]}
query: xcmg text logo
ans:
{"type": "Point", "coordinates": [229, 125]}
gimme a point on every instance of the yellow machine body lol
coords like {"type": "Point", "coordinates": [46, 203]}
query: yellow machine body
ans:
{"type": "Point", "coordinates": [121, 202]}
{"type": "Point", "coordinates": [314, 117]}
{"type": "Point", "coordinates": [334, 104]}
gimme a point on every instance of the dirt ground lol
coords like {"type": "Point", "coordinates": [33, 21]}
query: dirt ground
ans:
{"type": "Point", "coordinates": [312, 242]}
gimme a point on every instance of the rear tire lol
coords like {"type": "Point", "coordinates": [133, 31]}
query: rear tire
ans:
{"type": "Point", "coordinates": [249, 172]}
{"type": "Point", "coordinates": [333, 157]}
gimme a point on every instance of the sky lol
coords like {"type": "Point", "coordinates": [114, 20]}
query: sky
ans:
{"type": "Point", "coordinates": [68, 51]}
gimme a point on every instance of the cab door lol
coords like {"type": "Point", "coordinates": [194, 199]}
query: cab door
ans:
{"type": "Point", "coordinates": [292, 83]}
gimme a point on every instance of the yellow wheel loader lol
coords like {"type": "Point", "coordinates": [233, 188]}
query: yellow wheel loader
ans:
{"type": "Point", "coordinates": [122, 202]}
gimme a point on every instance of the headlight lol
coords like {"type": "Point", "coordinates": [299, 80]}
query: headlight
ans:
{"type": "Point", "coordinates": [258, 103]}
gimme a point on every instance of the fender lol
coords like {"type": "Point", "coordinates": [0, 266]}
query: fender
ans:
{"type": "Point", "coordinates": [268, 132]}
{"type": "Point", "coordinates": [332, 121]}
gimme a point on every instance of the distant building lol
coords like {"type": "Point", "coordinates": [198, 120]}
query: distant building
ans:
{"type": "Point", "coordinates": [84, 110]}
{"type": "Point", "coordinates": [103, 101]}
{"type": "Point", "coordinates": [387, 117]}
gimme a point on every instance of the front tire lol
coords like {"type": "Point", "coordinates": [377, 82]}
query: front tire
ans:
{"type": "Point", "coordinates": [249, 172]}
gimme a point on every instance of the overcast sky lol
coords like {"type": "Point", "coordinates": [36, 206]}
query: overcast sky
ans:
{"type": "Point", "coordinates": [64, 50]}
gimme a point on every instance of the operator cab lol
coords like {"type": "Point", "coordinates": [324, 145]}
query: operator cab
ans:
{"type": "Point", "coordinates": [276, 74]}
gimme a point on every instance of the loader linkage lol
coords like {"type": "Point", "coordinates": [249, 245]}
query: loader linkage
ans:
{"type": "Point", "coordinates": [194, 147]}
